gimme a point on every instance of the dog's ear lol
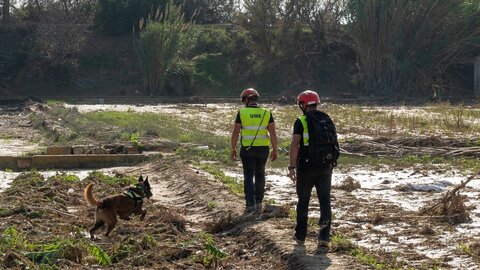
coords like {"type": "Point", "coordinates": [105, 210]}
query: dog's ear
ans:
{"type": "Point", "coordinates": [146, 179]}
{"type": "Point", "coordinates": [140, 179]}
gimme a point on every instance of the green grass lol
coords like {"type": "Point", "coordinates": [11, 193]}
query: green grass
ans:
{"type": "Point", "coordinates": [230, 182]}
{"type": "Point", "coordinates": [212, 205]}
{"type": "Point", "coordinates": [455, 121]}
{"type": "Point", "coordinates": [111, 180]}
{"type": "Point", "coordinates": [126, 126]}
{"type": "Point", "coordinates": [213, 254]}
{"type": "Point", "coordinates": [47, 253]}
{"type": "Point", "coordinates": [340, 243]}
{"type": "Point", "coordinates": [65, 177]}
{"type": "Point", "coordinates": [132, 127]}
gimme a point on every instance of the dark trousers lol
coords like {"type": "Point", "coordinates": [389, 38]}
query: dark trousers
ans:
{"type": "Point", "coordinates": [254, 161]}
{"type": "Point", "coordinates": [309, 176]}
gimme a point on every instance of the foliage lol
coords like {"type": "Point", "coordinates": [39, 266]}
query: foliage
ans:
{"type": "Point", "coordinates": [235, 187]}
{"type": "Point", "coordinates": [65, 177]}
{"type": "Point", "coordinates": [274, 32]}
{"type": "Point", "coordinates": [58, 35]}
{"type": "Point", "coordinates": [214, 254]}
{"type": "Point", "coordinates": [133, 137]}
{"type": "Point", "coordinates": [99, 254]}
{"type": "Point", "coordinates": [119, 16]}
{"type": "Point", "coordinates": [163, 40]}
{"type": "Point", "coordinates": [111, 180]}
{"type": "Point", "coordinates": [54, 249]}
{"type": "Point", "coordinates": [396, 48]}
{"type": "Point", "coordinates": [210, 11]}
{"type": "Point", "coordinates": [405, 46]}
{"type": "Point", "coordinates": [220, 65]}
{"type": "Point", "coordinates": [11, 239]}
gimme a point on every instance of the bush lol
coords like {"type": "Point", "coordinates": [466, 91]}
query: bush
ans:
{"type": "Point", "coordinates": [405, 46]}
{"type": "Point", "coordinates": [119, 16]}
{"type": "Point", "coordinates": [162, 45]}
{"type": "Point", "coordinates": [221, 63]}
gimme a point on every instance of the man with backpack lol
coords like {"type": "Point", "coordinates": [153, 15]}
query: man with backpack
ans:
{"type": "Point", "coordinates": [314, 151]}
{"type": "Point", "coordinates": [254, 124]}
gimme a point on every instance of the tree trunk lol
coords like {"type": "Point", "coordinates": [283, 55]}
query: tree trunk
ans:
{"type": "Point", "coordinates": [6, 11]}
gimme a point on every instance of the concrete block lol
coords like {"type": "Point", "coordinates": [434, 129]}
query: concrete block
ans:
{"type": "Point", "coordinates": [59, 150]}
{"type": "Point", "coordinates": [84, 161]}
{"type": "Point", "coordinates": [7, 163]}
{"type": "Point", "coordinates": [132, 150]}
{"type": "Point", "coordinates": [24, 163]}
{"type": "Point", "coordinates": [78, 150]}
{"type": "Point", "coordinates": [99, 151]}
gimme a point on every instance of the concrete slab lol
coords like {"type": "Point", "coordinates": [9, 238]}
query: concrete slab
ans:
{"type": "Point", "coordinates": [42, 162]}
{"type": "Point", "coordinates": [7, 162]}
{"type": "Point", "coordinates": [78, 150]}
{"type": "Point", "coordinates": [59, 150]}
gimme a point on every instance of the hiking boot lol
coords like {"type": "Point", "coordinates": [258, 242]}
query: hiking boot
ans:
{"type": "Point", "coordinates": [259, 208]}
{"type": "Point", "coordinates": [298, 241]}
{"type": "Point", "coordinates": [249, 209]}
{"type": "Point", "coordinates": [322, 247]}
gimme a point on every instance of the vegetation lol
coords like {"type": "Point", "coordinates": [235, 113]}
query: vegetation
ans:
{"type": "Point", "coordinates": [406, 46]}
{"type": "Point", "coordinates": [235, 187]}
{"type": "Point", "coordinates": [163, 40]}
{"type": "Point", "coordinates": [378, 260]}
{"type": "Point", "coordinates": [396, 49]}
{"type": "Point", "coordinates": [58, 241]}
{"type": "Point", "coordinates": [186, 134]}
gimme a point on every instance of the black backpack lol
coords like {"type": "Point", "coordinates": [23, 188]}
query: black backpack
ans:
{"type": "Point", "coordinates": [322, 142]}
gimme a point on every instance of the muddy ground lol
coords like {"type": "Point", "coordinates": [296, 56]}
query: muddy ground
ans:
{"type": "Point", "coordinates": [379, 216]}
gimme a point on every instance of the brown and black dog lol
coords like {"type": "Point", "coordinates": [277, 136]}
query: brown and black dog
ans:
{"type": "Point", "coordinates": [121, 205]}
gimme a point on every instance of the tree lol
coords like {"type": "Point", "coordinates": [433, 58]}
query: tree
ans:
{"type": "Point", "coordinates": [275, 33]}
{"type": "Point", "coordinates": [403, 46]}
{"type": "Point", "coordinates": [209, 11]}
{"type": "Point", "coordinates": [6, 11]}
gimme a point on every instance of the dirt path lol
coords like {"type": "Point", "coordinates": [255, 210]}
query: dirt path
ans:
{"type": "Point", "coordinates": [252, 239]}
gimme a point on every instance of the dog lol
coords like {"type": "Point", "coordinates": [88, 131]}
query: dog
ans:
{"type": "Point", "coordinates": [121, 205]}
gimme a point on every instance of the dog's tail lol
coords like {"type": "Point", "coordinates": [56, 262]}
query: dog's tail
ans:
{"type": "Point", "coordinates": [88, 194]}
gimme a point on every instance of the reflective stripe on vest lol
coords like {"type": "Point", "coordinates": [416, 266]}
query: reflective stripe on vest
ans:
{"type": "Point", "coordinates": [303, 119]}
{"type": "Point", "coordinates": [251, 118]}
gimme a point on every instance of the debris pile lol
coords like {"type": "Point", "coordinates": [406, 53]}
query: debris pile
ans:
{"type": "Point", "coordinates": [43, 223]}
{"type": "Point", "coordinates": [451, 207]}
{"type": "Point", "coordinates": [349, 184]}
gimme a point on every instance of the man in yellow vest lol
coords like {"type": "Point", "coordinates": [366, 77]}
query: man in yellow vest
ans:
{"type": "Point", "coordinates": [314, 151]}
{"type": "Point", "coordinates": [254, 124]}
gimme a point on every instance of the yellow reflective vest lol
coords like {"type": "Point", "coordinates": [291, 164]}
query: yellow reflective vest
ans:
{"type": "Point", "coordinates": [303, 119]}
{"type": "Point", "coordinates": [254, 126]}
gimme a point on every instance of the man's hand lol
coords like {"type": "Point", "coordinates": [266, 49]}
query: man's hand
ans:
{"type": "Point", "coordinates": [233, 154]}
{"type": "Point", "coordinates": [292, 173]}
{"type": "Point", "coordinates": [274, 154]}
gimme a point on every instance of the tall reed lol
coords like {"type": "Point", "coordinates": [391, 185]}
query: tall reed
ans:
{"type": "Point", "coordinates": [163, 40]}
{"type": "Point", "coordinates": [405, 46]}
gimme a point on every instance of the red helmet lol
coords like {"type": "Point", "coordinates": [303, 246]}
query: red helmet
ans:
{"type": "Point", "coordinates": [308, 97]}
{"type": "Point", "coordinates": [250, 92]}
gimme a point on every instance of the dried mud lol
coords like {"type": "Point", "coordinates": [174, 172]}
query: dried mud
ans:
{"type": "Point", "coordinates": [369, 209]}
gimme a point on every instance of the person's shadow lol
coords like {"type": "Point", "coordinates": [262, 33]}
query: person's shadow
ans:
{"type": "Point", "coordinates": [299, 259]}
